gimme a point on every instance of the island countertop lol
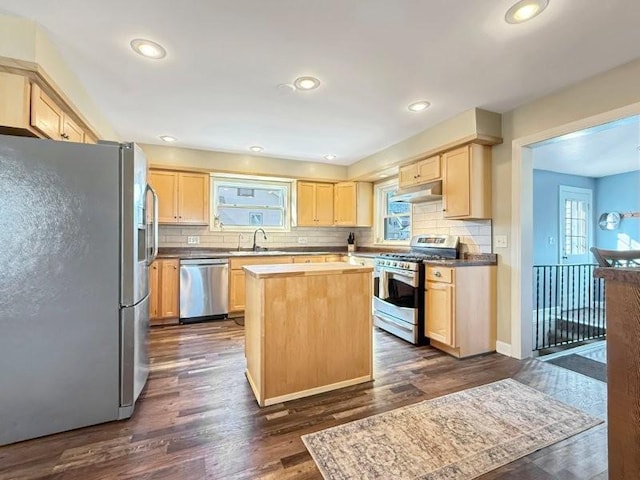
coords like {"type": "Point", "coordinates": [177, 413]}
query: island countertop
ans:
{"type": "Point", "coordinates": [304, 269]}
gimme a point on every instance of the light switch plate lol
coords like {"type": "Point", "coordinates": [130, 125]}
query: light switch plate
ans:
{"type": "Point", "coordinates": [303, 240]}
{"type": "Point", "coordinates": [501, 241]}
{"type": "Point", "coordinates": [193, 240]}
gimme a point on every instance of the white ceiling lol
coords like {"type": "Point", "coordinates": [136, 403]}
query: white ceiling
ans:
{"type": "Point", "coordinates": [604, 150]}
{"type": "Point", "coordinates": [217, 87]}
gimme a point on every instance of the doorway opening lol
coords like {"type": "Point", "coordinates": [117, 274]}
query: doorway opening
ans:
{"type": "Point", "coordinates": [565, 181]}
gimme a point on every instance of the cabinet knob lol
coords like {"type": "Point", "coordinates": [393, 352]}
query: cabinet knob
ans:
{"type": "Point", "coordinates": [175, 268]}
{"type": "Point", "coordinates": [438, 274]}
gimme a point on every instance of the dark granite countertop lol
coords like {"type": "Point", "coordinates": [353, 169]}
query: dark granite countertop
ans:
{"type": "Point", "coordinates": [629, 275]}
{"type": "Point", "coordinates": [192, 253]}
{"type": "Point", "coordinates": [469, 260]}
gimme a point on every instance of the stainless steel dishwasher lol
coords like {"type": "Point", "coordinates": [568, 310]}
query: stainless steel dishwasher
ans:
{"type": "Point", "coordinates": [204, 289]}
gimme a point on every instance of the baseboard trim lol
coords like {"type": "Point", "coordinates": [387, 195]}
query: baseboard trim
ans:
{"type": "Point", "coordinates": [503, 348]}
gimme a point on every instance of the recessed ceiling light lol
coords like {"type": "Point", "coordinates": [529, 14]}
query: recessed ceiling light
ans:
{"type": "Point", "coordinates": [168, 138]}
{"type": "Point", "coordinates": [330, 157]}
{"type": "Point", "coordinates": [525, 10]}
{"type": "Point", "coordinates": [306, 83]}
{"type": "Point", "coordinates": [148, 49]}
{"type": "Point", "coordinates": [419, 106]}
{"type": "Point", "coordinates": [256, 148]}
{"type": "Point", "coordinates": [382, 175]}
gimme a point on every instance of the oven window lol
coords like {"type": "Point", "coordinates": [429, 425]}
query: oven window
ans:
{"type": "Point", "coordinates": [400, 294]}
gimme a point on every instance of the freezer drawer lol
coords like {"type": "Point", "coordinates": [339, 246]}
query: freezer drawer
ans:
{"type": "Point", "coordinates": [204, 288]}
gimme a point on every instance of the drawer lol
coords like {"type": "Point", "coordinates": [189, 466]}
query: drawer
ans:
{"type": "Point", "coordinates": [238, 263]}
{"type": "Point", "coordinates": [309, 259]}
{"type": "Point", "coordinates": [439, 274]}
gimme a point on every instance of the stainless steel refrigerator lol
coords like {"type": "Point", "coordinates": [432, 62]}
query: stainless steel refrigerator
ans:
{"type": "Point", "coordinates": [78, 230]}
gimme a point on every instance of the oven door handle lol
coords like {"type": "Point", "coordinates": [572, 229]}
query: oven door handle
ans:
{"type": "Point", "coordinates": [390, 319]}
{"type": "Point", "coordinates": [402, 276]}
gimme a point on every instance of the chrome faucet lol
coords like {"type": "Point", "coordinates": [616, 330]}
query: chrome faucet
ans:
{"type": "Point", "coordinates": [255, 246]}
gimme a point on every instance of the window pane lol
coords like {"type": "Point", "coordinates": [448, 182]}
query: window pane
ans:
{"type": "Point", "coordinates": [249, 195]}
{"type": "Point", "coordinates": [396, 208]}
{"type": "Point", "coordinates": [397, 228]}
{"type": "Point", "coordinates": [250, 217]}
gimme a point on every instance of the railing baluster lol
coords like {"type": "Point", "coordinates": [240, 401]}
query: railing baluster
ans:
{"type": "Point", "coordinates": [537, 345]}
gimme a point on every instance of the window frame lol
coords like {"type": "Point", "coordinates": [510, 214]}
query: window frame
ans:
{"type": "Point", "coordinates": [249, 181]}
{"type": "Point", "coordinates": [380, 209]}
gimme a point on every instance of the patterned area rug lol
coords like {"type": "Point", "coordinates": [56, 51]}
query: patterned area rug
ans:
{"type": "Point", "coordinates": [458, 436]}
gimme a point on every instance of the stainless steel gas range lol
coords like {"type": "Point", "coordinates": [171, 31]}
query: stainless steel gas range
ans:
{"type": "Point", "coordinates": [398, 303]}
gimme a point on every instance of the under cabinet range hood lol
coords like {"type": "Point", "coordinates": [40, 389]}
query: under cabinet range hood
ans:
{"type": "Point", "coordinates": [430, 192]}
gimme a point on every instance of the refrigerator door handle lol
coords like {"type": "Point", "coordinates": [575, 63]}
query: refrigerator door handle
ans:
{"type": "Point", "coordinates": [154, 254]}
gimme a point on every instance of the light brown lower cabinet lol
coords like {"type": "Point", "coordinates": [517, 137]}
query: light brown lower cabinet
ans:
{"type": "Point", "coordinates": [460, 309]}
{"type": "Point", "coordinates": [164, 301]}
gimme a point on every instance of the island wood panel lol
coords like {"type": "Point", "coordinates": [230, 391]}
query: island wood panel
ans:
{"type": "Point", "coordinates": [326, 341]}
{"type": "Point", "coordinates": [254, 333]}
{"type": "Point", "coordinates": [316, 332]}
{"type": "Point", "coordinates": [623, 379]}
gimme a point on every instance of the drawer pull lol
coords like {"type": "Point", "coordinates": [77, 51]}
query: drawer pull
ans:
{"type": "Point", "coordinates": [437, 274]}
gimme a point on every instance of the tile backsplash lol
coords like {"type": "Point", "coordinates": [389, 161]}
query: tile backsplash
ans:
{"type": "Point", "coordinates": [475, 235]}
{"type": "Point", "coordinates": [176, 236]}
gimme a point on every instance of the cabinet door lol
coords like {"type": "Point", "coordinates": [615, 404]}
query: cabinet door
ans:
{"type": "Point", "coordinates": [439, 316]}
{"type": "Point", "coordinates": [166, 186]}
{"type": "Point", "coordinates": [408, 175]}
{"type": "Point", "coordinates": [306, 204]}
{"type": "Point", "coordinates": [456, 183]}
{"type": "Point", "coordinates": [429, 169]}
{"type": "Point", "coordinates": [154, 290]}
{"type": "Point", "coordinates": [236, 290]}
{"type": "Point", "coordinates": [324, 204]}
{"type": "Point", "coordinates": [71, 132]}
{"type": "Point", "coordinates": [46, 116]}
{"type": "Point", "coordinates": [193, 198]}
{"type": "Point", "coordinates": [169, 289]}
{"type": "Point", "coordinates": [345, 203]}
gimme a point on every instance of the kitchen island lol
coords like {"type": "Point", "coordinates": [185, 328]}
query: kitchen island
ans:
{"type": "Point", "coordinates": [308, 329]}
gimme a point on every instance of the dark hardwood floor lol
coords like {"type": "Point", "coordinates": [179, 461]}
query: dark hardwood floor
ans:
{"type": "Point", "coordinates": [197, 417]}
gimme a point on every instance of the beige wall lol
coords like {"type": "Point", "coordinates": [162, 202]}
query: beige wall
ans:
{"type": "Point", "coordinates": [466, 124]}
{"type": "Point", "coordinates": [610, 90]}
{"type": "Point", "coordinates": [23, 39]}
{"type": "Point", "coordinates": [239, 163]}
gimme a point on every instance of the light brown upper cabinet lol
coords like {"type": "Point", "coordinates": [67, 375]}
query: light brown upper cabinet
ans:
{"type": "Point", "coordinates": [315, 204]}
{"type": "Point", "coordinates": [353, 204]}
{"type": "Point", "coordinates": [50, 119]}
{"type": "Point", "coordinates": [183, 197]}
{"type": "Point", "coordinates": [424, 171]}
{"type": "Point", "coordinates": [46, 115]}
{"type": "Point", "coordinates": [466, 182]}
{"type": "Point", "coordinates": [29, 108]}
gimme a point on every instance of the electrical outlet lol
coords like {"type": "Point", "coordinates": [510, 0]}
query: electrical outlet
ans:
{"type": "Point", "coordinates": [193, 240]}
{"type": "Point", "coordinates": [501, 241]}
{"type": "Point", "coordinates": [551, 241]}
{"type": "Point", "coordinates": [303, 240]}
